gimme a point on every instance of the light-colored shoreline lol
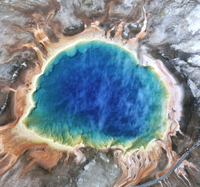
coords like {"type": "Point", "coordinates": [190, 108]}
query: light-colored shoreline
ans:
{"type": "Point", "coordinates": [92, 34]}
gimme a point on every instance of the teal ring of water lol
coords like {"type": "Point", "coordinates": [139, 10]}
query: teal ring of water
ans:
{"type": "Point", "coordinates": [96, 93]}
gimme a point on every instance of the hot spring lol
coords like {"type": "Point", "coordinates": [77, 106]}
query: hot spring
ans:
{"type": "Point", "coordinates": [97, 94]}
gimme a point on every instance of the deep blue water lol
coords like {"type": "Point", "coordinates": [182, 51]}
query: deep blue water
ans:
{"type": "Point", "coordinates": [96, 92]}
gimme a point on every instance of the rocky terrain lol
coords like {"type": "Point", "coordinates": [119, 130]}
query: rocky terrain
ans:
{"type": "Point", "coordinates": [173, 36]}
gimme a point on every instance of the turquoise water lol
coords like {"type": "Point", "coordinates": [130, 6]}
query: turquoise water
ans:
{"type": "Point", "coordinates": [95, 93]}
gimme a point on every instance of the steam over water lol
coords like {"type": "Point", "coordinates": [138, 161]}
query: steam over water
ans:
{"type": "Point", "coordinates": [96, 93]}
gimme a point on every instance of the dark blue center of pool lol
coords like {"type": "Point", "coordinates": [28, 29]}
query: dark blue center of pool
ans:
{"type": "Point", "coordinates": [95, 93]}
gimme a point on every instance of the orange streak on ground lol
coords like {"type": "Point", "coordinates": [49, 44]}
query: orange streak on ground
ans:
{"type": "Point", "coordinates": [139, 165]}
